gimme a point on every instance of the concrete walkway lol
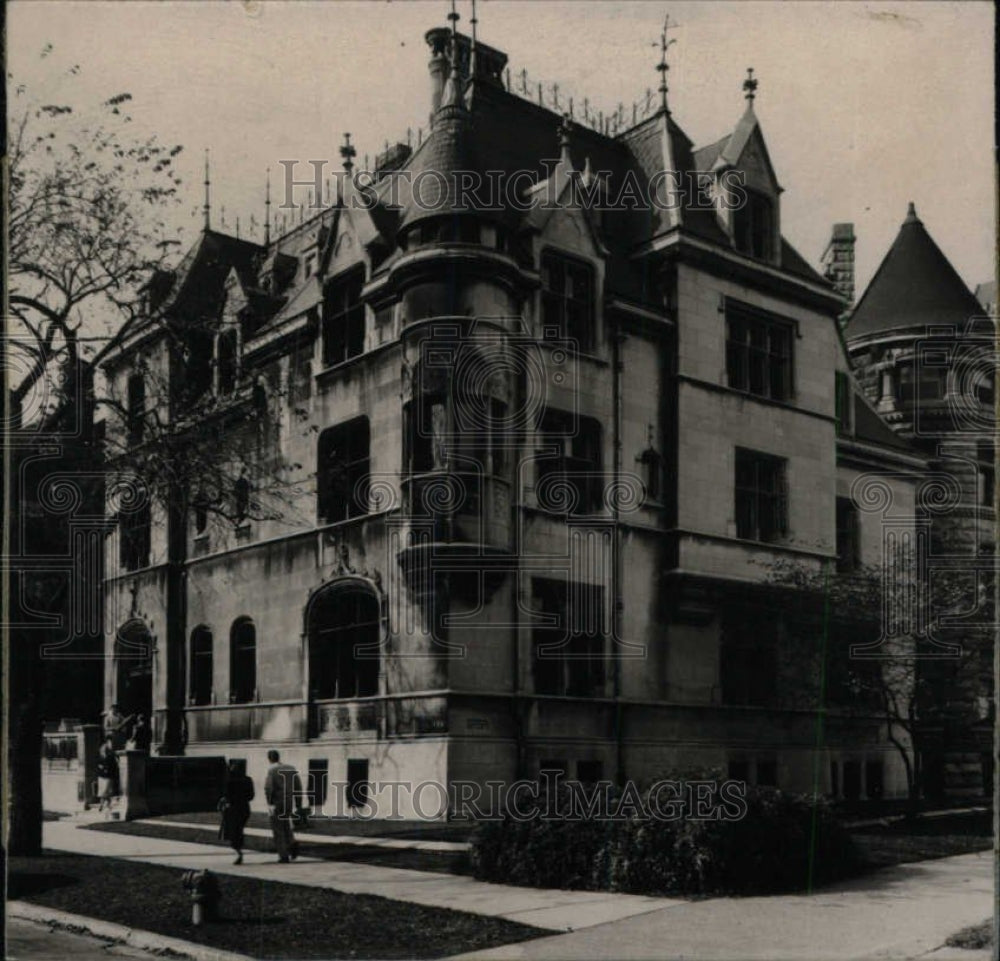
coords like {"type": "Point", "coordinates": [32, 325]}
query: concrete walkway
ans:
{"type": "Point", "coordinates": [306, 837]}
{"type": "Point", "coordinates": [542, 908]}
{"type": "Point", "coordinates": [904, 912]}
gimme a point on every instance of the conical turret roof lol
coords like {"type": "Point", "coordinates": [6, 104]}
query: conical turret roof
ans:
{"type": "Point", "coordinates": [915, 286]}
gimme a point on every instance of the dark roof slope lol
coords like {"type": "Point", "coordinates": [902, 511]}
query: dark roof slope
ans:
{"type": "Point", "coordinates": [915, 285]}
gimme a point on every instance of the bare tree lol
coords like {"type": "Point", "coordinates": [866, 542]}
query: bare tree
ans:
{"type": "Point", "coordinates": [889, 648]}
{"type": "Point", "coordinates": [86, 222]}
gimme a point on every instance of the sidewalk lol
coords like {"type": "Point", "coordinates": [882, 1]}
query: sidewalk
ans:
{"type": "Point", "coordinates": [904, 912]}
{"type": "Point", "coordinates": [554, 910]}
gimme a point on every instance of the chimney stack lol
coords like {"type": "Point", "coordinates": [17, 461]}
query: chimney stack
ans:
{"type": "Point", "coordinates": [838, 261]}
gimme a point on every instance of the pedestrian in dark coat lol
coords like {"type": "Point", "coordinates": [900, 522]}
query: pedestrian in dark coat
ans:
{"type": "Point", "coordinates": [235, 808]}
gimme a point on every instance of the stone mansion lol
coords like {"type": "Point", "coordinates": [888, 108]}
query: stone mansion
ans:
{"type": "Point", "coordinates": [500, 487]}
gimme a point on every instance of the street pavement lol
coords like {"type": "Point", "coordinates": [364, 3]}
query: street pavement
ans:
{"type": "Point", "coordinates": [31, 941]}
{"type": "Point", "coordinates": [904, 912]}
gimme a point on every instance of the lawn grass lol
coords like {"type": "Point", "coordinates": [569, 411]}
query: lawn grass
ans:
{"type": "Point", "coordinates": [265, 919]}
{"type": "Point", "coordinates": [443, 862]}
{"type": "Point", "coordinates": [904, 841]}
{"type": "Point", "coordinates": [974, 938]}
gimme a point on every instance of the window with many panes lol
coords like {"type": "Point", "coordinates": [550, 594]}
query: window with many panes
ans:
{"type": "Point", "coordinates": [567, 300]}
{"type": "Point", "coordinates": [343, 318]}
{"type": "Point", "coordinates": [848, 544]}
{"type": "Point", "coordinates": [343, 467]}
{"type": "Point", "coordinates": [568, 638]}
{"type": "Point", "coordinates": [569, 478]}
{"type": "Point", "coordinates": [761, 496]}
{"type": "Point", "coordinates": [758, 353]}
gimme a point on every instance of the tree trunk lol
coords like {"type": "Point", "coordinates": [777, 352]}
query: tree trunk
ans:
{"type": "Point", "coordinates": [24, 748]}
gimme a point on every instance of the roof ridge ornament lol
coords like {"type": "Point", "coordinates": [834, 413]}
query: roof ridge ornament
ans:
{"type": "Point", "coordinates": [750, 87]}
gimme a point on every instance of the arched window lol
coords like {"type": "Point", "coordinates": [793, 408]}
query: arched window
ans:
{"type": "Point", "coordinates": [201, 665]}
{"type": "Point", "coordinates": [344, 632]}
{"type": "Point", "coordinates": [242, 661]}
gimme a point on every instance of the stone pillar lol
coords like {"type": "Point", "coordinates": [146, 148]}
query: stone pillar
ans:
{"type": "Point", "coordinates": [132, 768]}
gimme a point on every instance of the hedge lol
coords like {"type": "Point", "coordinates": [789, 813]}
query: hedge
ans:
{"type": "Point", "coordinates": [781, 843]}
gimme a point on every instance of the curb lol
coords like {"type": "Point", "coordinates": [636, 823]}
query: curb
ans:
{"type": "Point", "coordinates": [119, 933]}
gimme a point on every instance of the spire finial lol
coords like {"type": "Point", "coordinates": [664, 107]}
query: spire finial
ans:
{"type": "Point", "coordinates": [750, 86]}
{"type": "Point", "coordinates": [662, 66]}
{"type": "Point", "coordinates": [911, 214]}
{"type": "Point", "coordinates": [348, 152]}
{"type": "Point", "coordinates": [267, 210]}
{"type": "Point", "coordinates": [207, 209]}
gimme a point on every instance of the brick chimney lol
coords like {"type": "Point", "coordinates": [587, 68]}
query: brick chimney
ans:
{"type": "Point", "coordinates": [838, 261]}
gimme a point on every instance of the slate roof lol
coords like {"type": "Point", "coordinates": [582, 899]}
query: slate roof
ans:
{"type": "Point", "coordinates": [914, 286]}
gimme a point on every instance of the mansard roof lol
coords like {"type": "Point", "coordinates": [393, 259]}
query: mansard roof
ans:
{"type": "Point", "coordinates": [914, 286]}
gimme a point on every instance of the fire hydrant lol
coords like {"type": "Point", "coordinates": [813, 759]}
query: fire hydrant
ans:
{"type": "Point", "coordinates": [204, 890]}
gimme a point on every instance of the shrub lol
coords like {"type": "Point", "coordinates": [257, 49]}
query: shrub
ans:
{"type": "Point", "coordinates": [783, 842]}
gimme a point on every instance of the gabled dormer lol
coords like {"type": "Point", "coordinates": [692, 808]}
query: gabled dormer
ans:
{"type": "Point", "coordinates": [743, 186]}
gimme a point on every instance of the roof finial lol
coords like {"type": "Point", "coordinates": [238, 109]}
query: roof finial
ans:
{"type": "Point", "coordinates": [267, 210]}
{"type": "Point", "coordinates": [662, 65]}
{"type": "Point", "coordinates": [348, 152]}
{"type": "Point", "coordinates": [911, 214]}
{"type": "Point", "coordinates": [750, 86]}
{"type": "Point", "coordinates": [207, 209]}
{"type": "Point", "coordinates": [472, 49]}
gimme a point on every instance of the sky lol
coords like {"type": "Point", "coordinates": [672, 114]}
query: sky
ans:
{"type": "Point", "coordinates": [864, 106]}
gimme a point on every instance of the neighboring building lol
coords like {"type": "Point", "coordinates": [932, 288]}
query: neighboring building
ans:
{"type": "Point", "coordinates": [545, 454]}
{"type": "Point", "coordinates": [923, 349]}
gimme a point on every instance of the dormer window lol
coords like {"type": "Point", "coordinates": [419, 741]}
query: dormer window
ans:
{"type": "Point", "coordinates": [753, 226]}
{"type": "Point", "coordinates": [226, 359]}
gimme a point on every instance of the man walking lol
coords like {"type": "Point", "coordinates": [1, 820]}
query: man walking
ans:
{"type": "Point", "coordinates": [282, 788]}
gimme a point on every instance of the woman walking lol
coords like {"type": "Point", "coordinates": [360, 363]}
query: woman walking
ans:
{"type": "Point", "coordinates": [235, 807]}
